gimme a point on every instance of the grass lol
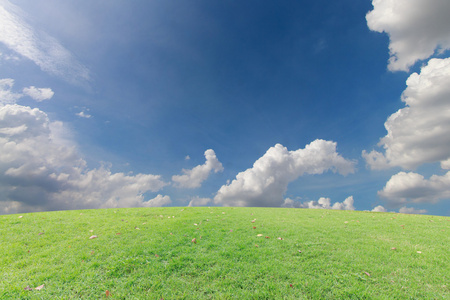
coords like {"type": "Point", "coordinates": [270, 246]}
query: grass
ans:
{"type": "Point", "coordinates": [343, 254]}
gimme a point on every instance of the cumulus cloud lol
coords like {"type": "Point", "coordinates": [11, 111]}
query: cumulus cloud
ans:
{"type": "Point", "coordinates": [158, 201]}
{"type": "Point", "coordinates": [266, 182]}
{"type": "Point", "coordinates": [416, 28]}
{"type": "Point", "coordinates": [418, 133]}
{"type": "Point", "coordinates": [379, 208]}
{"type": "Point", "coordinates": [193, 178]}
{"type": "Point", "coordinates": [322, 203]}
{"type": "Point", "coordinates": [82, 114]}
{"type": "Point", "coordinates": [411, 210]}
{"type": "Point", "coordinates": [40, 172]}
{"type": "Point", "coordinates": [197, 201]}
{"type": "Point", "coordinates": [38, 94]}
{"type": "Point", "coordinates": [38, 46]}
{"type": "Point", "coordinates": [6, 95]}
{"type": "Point", "coordinates": [411, 187]}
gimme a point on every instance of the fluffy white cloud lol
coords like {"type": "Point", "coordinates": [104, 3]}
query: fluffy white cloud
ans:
{"type": "Point", "coordinates": [266, 182]}
{"type": "Point", "coordinates": [38, 46]}
{"type": "Point", "coordinates": [419, 132]}
{"type": "Point", "coordinates": [38, 94]}
{"type": "Point", "coordinates": [379, 208]}
{"type": "Point", "coordinates": [197, 201]}
{"type": "Point", "coordinates": [158, 201]}
{"type": "Point", "coordinates": [416, 28]}
{"type": "Point", "coordinates": [6, 95]}
{"type": "Point", "coordinates": [82, 114]}
{"type": "Point", "coordinates": [411, 210]}
{"type": "Point", "coordinates": [322, 203]}
{"type": "Point", "coordinates": [412, 187]}
{"type": "Point", "coordinates": [445, 164]}
{"type": "Point", "coordinates": [40, 172]}
{"type": "Point", "coordinates": [193, 178]}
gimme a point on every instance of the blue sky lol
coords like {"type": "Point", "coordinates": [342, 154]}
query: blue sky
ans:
{"type": "Point", "coordinates": [313, 104]}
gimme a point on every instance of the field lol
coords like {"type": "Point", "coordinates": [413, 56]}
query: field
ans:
{"type": "Point", "coordinates": [223, 253]}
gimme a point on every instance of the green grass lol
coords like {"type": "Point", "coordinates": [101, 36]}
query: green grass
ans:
{"type": "Point", "coordinates": [344, 254]}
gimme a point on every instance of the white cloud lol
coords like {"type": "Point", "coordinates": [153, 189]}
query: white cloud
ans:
{"type": "Point", "coordinates": [322, 203]}
{"type": "Point", "coordinates": [290, 203]}
{"type": "Point", "coordinates": [445, 164]}
{"type": "Point", "coordinates": [418, 133]}
{"type": "Point", "coordinates": [9, 57]}
{"type": "Point", "coordinates": [266, 182]}
{"type": "Point", "coordinates": [416, 28]}
{"type": "Point", "coordinates": [38, 46]}
{"type": "Point", "coordinates": [197, 201]}
{"type": "Point", "coordinates": [82, 114]}
{"type": "Point", "coordinates": [39, 94]}
{"type": "Point", "coordinates": [6, 95]}
{"type": "Point", "coordinates": [158, 201]}
{"type": "Point", "coordinates": [379, 208]}
{"type": "Point", "coordinates": [411, 210]}
{"type": "Point", "coordinates": [193, 178]}
{"type": "Point", "coordinates": [38, 171]}
{"type": "Point", "coordinates": [410, 187]}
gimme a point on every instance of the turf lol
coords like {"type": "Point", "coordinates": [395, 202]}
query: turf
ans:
{"type": "Point", "coordinates": [149, 253]}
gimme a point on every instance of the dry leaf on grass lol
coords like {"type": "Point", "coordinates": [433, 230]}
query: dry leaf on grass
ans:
{"type": "Point", "coordinates": [259, 234]}
{"type": "Point", "coordinates": [93, 237]}
{"type": "Point", "coordinates": [39, 287]}
{"type": "Point", "coordinates": [367, 274]}
{"type": "Point", "coordinates": [107, 293]}
{"type": "Point", "coordinates": [194, 240]}
{"type": "Point", "coordinates": [27, 288]}
{"type": "Point", "coordinates": [20, 217]}
{"type": "Point", "coordinates": [267, 237]}
{"type": "Point", "coordinates": [393, 248]}
{"type": "Point", "coordinates": [40, 233]}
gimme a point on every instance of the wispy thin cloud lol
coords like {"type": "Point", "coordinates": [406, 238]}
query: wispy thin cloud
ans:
{"type": "Point", "coordinates": [38, 46]}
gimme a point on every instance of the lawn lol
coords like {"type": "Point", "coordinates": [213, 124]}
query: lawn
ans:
{"type": "Point", "coordinates": [223, 253]}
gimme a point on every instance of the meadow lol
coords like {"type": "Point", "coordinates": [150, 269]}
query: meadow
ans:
{"type": "Point", "coordinates": [223, 253]}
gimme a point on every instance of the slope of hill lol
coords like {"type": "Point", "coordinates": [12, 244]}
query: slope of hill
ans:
{"type": "Point", "coordinates": [223, 253]}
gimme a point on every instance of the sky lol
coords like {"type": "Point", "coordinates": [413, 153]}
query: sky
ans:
{"type": "Point", "coordinates": [306, 104]}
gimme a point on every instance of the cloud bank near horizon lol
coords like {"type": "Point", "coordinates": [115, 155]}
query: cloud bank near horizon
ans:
{"type": "Point", "coordinates": [39, 171]}
{"type": "Point", "coordinates": [266, 182]}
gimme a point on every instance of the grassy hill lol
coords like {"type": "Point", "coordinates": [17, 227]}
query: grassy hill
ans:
{"type": "Point", "coordinates": [223, 253]}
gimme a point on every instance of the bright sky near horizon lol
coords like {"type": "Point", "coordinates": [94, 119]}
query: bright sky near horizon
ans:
{"type": "Point", "coordinates": [311, 104]}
